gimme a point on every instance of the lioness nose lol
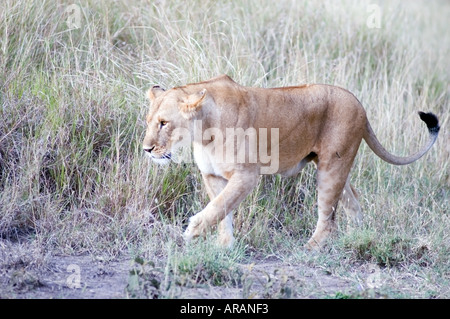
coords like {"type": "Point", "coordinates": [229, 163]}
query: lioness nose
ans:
{"type": "Point", "coordinates": [149, 149]}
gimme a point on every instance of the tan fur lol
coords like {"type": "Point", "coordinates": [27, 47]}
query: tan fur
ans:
{"type": "Point", "coordinates": [319, 123]}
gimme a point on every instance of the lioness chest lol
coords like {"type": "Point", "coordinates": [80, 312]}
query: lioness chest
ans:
{"type": "Point", "coordinates": [205, 161]}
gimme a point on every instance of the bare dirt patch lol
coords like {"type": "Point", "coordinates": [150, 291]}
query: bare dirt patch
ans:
{"type": "Point", "coordinates": [64, 277]}
{"type": "Point", "coordinates": [24, 273]}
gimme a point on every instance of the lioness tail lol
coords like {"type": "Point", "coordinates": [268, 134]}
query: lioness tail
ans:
{"type": "Point", "coordinates": [433, 128]}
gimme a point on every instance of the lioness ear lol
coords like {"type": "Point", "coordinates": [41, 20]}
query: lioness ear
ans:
{"type": "Point", "coordinates": [192, 104]}
{"type": "Point", "coordinates": [154, 92]}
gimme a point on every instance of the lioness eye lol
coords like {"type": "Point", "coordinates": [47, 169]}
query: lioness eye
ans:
{"type": "Point", "coordinates": [162, 123]}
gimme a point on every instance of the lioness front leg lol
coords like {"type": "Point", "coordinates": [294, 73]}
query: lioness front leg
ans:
{"type": "Point", "coordinates": [238, 187]}
{"type": "Point", "coordinates": [214, 185]}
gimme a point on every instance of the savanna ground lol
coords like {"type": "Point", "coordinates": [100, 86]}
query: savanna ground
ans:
{"type": "Point", "coordinates": [83, 214]}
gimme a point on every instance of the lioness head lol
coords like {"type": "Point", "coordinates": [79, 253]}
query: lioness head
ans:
{"type": "Point", "coordinates": [168, 120]}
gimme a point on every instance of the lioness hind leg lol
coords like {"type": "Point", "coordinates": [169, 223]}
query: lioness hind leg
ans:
{"type": "Point", "coordinates": [352, 208]}
{"type": "Point", "coordinates": [331, 180]}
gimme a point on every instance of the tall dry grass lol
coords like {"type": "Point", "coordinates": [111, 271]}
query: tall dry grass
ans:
{"type": "Point", "coordinates": [72, 174]}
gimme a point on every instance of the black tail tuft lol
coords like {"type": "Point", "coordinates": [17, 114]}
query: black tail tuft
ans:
{"type": "Point", "coordinates": [431, 121]}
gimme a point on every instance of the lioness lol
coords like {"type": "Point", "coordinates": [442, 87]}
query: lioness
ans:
{"type": "Point", "coordinates": [320, 123]}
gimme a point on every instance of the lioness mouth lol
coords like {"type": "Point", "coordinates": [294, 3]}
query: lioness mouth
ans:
{"type": "Point", "coordinates": [163, 159]}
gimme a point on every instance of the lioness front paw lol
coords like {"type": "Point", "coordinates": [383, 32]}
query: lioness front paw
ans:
{"type": "Point", "coordinates": [312, 246]}
{"type": "Point", "coordinates": [195, 227]}
{"type": "Point", "coordinates": [226, 240]}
